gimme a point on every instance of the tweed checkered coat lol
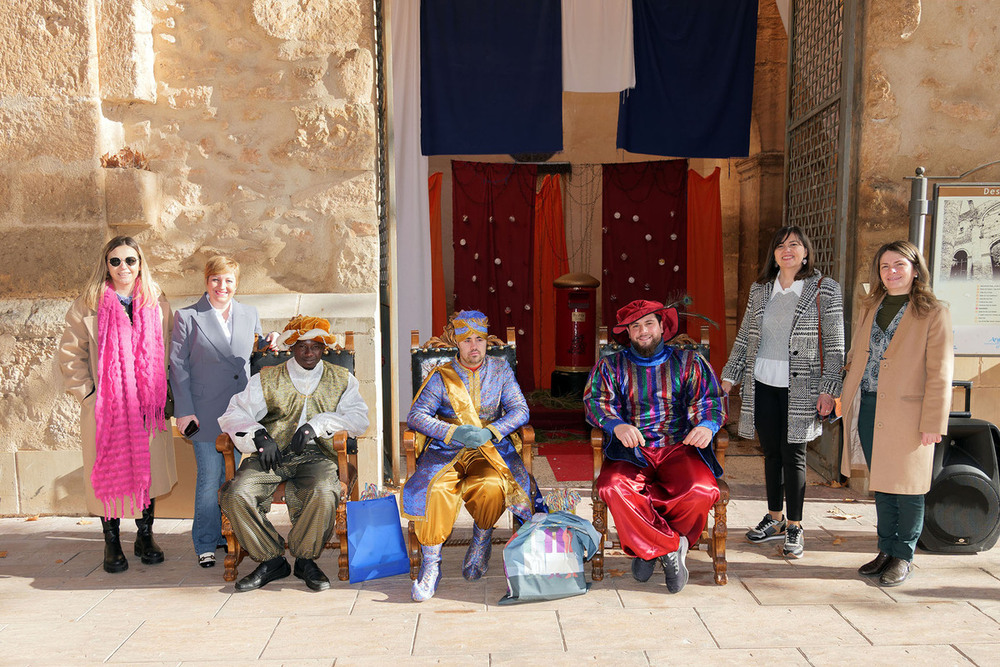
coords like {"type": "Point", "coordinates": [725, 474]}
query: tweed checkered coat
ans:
{"type": "Point", "coordinates": [804, 381]}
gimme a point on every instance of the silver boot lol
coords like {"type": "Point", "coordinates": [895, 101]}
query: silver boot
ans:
{"type": "Point", "coordinates": [477, 558]}
{"type": "Point", "coordinates": [430, 573]}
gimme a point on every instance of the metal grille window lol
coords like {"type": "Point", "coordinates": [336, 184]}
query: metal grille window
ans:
{"type": "Point", "coordinates": [815, 126]}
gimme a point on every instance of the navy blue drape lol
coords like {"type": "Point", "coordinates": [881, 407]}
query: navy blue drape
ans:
{"type": "Point", "coordinates": [694, 66]}
{"type": "Point", "coordinates": [490, 76]}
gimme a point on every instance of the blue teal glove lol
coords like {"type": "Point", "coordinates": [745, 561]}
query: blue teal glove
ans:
{"type": "Point", "coordinates": [471, 437]}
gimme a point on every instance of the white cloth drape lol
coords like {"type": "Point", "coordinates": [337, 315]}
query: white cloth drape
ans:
{"type": "Point", "coordinates": [413, 243]}
{"type": "Point", "coordinates": [597, 46]}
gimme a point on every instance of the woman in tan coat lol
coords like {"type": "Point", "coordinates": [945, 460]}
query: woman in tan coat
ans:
{"type": "Point", "coordinates": [112, 357]}
{"type": "Point", "coordinates": [896, 397]}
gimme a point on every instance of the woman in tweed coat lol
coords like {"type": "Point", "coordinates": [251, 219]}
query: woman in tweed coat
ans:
{"type": "Point", "coordinates": [783, 342]}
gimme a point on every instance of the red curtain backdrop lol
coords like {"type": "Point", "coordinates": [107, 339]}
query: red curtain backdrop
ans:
{"type": "Point", "coordinates": [550, 263]}
{"type": "Point", "coordinates": [439, 308]}
{"type": "Point", "coordinates": [704, 251]}
{"type": "Point", "coordinates": [493, 212]}
{"type": "Point", "coordinates": [644, 232]}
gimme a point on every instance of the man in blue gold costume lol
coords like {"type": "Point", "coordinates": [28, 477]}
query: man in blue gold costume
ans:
{"type": "Point", "coordinates": [466, 416]}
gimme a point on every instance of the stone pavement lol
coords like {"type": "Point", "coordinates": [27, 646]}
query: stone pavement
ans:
{"type": "Point", "coordinates": [58, 607]}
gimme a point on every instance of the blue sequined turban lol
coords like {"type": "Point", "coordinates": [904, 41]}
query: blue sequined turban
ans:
{"type": "Point", "coordinates": [469, 322]}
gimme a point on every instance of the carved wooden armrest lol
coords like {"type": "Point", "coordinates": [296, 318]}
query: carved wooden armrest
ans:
{"type": "Point", "coordinates": [721, 443]}
{"type": "Point", "coordinates": [224, 445]}
{"type": "Point", "coordinates": [411, 455]}
{"type": "Point", "coordinates": [346, 466]}
{"type": "Point", "coordinates": [527, 445]}
{"type": "Point", "coordinates": [597, 443]}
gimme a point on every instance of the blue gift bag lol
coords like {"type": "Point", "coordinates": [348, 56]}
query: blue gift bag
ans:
{"type": "Point", "coordinates": [375, 546]}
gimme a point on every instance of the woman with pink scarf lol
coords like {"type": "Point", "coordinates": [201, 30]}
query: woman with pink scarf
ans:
{"type": "Point", "coordinates": [112, 357]}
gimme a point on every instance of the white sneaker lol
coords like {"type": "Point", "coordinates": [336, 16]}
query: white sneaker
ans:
{"type": "Point", "coordinates": [207, 559]}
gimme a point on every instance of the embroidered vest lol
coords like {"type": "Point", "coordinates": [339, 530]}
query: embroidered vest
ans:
{"type": "Point", "coordinates": [284, 402]}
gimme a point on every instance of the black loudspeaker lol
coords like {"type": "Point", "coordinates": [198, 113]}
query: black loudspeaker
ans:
{"type": "Point", "coordinates": [963, 504]}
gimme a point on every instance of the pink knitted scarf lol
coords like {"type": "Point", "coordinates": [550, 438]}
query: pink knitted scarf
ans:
{"type": "Point", "coordinates": [131, 392]}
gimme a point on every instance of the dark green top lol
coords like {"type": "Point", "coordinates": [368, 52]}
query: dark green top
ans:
{"type": "Point", "coordinates": [890, 306]}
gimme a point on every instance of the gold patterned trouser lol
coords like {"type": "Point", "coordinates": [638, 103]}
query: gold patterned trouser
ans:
{"type": "Point", "coordinates": [470, 478]}
{"type": "Point", "coordinates": [312, 491]}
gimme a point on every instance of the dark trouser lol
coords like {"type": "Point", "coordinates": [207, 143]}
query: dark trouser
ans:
{"type": "Point", "coordinates": [312, 490]}
{"type": "Point", "coordinates": [900, 517]}
{"type": "Point", "coordinates": [784, 462]}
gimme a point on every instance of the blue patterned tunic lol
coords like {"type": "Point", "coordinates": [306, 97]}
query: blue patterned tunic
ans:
{"type": "Point", "coordinates": [664, 396]}
{"type": "Point", "coordinates": [501, 408]}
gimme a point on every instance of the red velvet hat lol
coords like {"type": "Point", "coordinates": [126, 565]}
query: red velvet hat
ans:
{"type": "Point", "coordinates": [639, 309]}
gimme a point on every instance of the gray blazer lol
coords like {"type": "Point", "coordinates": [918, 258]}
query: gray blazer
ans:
{"type": "Point", "coordinates": [805, 383]}
{"type": "Point", "coordinates": [206, 370]}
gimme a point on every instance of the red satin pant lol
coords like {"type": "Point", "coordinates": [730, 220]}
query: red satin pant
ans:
{"type": "Point", "coordinates": [653, 506]}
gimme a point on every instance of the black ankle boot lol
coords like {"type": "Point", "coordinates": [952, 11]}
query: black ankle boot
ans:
{"type": "Point", "coordinates": [114, 558]}
{"type": "Point", "coordinates": [146, 548]}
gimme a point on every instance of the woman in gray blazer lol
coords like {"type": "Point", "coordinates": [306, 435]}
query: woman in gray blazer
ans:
{"type": "Point", "coordinates": [209, 363]}
{"type": "Point", "coordinates": [793, 326]}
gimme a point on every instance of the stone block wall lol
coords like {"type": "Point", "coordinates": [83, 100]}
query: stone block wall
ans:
{"type": "Point", "coordinates": [927, 98]}
{"type": "Point", "coordinates": [257, 119]}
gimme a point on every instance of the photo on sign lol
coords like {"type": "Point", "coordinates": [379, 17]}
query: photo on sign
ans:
{"type": "Point", "coordinates": [966, 263]}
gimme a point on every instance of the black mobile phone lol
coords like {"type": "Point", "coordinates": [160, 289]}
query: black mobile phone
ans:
{"type": "Point", "coordinates": [191, 429]}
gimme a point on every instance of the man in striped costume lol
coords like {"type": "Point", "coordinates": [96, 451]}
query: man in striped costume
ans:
{"type": "Point", "coordinates": [659, 408]}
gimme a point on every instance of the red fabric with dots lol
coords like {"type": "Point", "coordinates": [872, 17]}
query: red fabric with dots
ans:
{"type": "Point", "coordinates": [493, 216]}
{"type": "Point", "coordinates": [644, 218]}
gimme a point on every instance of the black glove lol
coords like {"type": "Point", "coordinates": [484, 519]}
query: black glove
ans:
{"type": "Point", "coordinates": [302, 436]}
{"type": "Point", "coordinates": [267, 449]}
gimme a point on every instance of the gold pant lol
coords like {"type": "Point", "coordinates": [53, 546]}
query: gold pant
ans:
{"type": "Point", "coordinates": [470, 478]}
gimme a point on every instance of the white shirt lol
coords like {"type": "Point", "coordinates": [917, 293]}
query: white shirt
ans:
{"type": "Point", "coordinates": [248, 407]}
{"type": "Point", "coordinates": [225, 322]}
{"type": "Point", "coordinates": [770, 371]}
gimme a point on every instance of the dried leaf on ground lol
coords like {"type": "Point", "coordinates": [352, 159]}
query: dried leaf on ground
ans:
{"type": "Point", "coordinates": [84, 522]}
{"type": "Point", "coordinates": [32, 518]}
{"type": "Point", "coordinates": [838, 540]}
{"type": "Point", "coordinates": [3, 554]}
{"type": "Point", "coordinates": [837, 513]}
{"type": "Point", "coordinates": [614, 572]}
{"type": "Point", "coordinates": [59, 560]}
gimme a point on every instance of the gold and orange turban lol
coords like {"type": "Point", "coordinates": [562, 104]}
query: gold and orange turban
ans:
{"type": "Point", "coordinates": [302, 327]}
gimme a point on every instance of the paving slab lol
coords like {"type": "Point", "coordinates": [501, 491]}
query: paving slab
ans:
{"type": "Point", "coordinates": [444, 633]}
{"type": "Point", "coordinates": [570, 658]}
{"type": "Point", "coordinates": [286, 598]}
{"type": "Point", "coordinates": [811, 586]}
{"type": "Point", "coordinates": [182, 638]}
{"type": "Point", "coordinates": [630, 628]}
{"type": "Point", "coordinates": [388, 636]}
{"type": "Point", "coordinates": [937, 623]}
{"type": "Point", "coordinates": [980, 654]}
{"type": "Point", "coordinates": [599, 598]}
{"type": "Point", "coordinates": [727, 657]}
{"type": "Point", "coordinates": [64, 641]}
{"type": "Point", "coordinates": [393, 595]}
{"type": "Point", "coordinates": [934, 585]}
{"type": "Point", "coordinates": [779, 626]}
{"type": "Point", "coordinates": [56, 600]}
{"type": "Point", "coordinates": [149, 603]}
{"type": "Point", "coordinates": [912, 656]}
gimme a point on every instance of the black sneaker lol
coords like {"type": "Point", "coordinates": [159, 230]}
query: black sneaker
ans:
{"type": "Point", "coordinates": [675, 572]}
{"type": "Point", "coordinates": [794, 542]}
{"type": "Point", "coordinates": [768, 529]}
{"type": "Point", "coordinates": [642, 569]}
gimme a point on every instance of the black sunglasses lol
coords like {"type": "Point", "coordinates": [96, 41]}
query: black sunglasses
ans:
{"type": "Point", "coordinates": [116, 261]}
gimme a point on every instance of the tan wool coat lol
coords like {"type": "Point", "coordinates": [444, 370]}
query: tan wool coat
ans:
{"type": "Point", "coordinates": [79, 365]}
{"type": "Point", "coordinates": [914, 397]}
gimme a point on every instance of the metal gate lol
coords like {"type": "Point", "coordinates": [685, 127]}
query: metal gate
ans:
{"type": "Point", "coordinates": [817, 148]}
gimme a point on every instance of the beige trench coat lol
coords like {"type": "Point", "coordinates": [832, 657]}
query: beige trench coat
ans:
{"type": "Point", "coordinates": [79, 365]}
{"type": "Point", "coordinates": [914, 397]}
